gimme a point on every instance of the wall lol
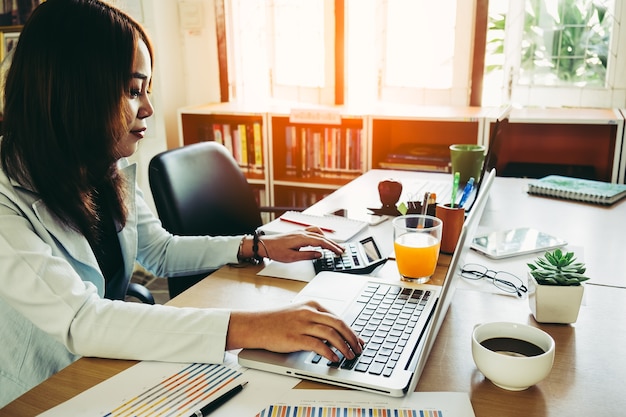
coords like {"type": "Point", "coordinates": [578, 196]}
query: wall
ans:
{"type": "Point", "coordinates": [185, 71]}
{"type": "Point", "coordinates": [186, 61]}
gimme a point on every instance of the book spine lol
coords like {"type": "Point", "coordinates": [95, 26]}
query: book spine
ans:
{"type": "Point", "coordinates": [218, 136]}
{"type": "Point", "coordinates": [362, 156]}
{"type": "Point", "coordinates": [236, 144]}
{"type": "Point", "coordinates": [310, 152]}
{"type": "Point", "coordinates": [302, 152]}
{"type": "Point", "coordinates": [258, 145]}
{"type": "Point", "coordinates": [338, 148]}
{"type": "Point", "coordinates": [290, 146]}
{"type": "Point", "coordinates": [251, 147]}
{"type": "Point", "coordinates": [243, 139]}
{"type": "Point", "coordinates": [228, 139]}
{"type": "Point", "coordinates": [317, 153]}
{"type": "Point", "coordinates": [346, 153]}
{"type": "Point", "coordinates": [328, 156]}
{"type": "Point", "coordinates": [414, 166]}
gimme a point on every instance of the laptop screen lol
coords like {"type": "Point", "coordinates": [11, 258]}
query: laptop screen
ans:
{"type": "Point", "coordinates": [495, 143]}
{"type": "Point", "coordinates": [491, 159]}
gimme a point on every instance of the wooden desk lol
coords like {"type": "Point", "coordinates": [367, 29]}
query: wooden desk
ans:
{"type": "Point", "coordinates": [600, 231]}
{"type": "Point", "coordinates": [588, 373]}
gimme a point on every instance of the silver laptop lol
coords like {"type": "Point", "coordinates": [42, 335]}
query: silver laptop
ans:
{"type": "Point", "coordinates": [409, 316]}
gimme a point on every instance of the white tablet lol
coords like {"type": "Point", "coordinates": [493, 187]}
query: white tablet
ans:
{"type": "Point", "coordinates": [514, 242]}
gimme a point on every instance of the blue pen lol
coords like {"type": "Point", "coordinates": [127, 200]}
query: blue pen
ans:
{"type": "Point", "coordinates": [467, 191]}
{"type": "Point", "coordinates": [455, 186]}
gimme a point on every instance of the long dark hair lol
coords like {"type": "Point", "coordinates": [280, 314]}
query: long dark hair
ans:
{"type": "Point", "coordinates": [65, 107]}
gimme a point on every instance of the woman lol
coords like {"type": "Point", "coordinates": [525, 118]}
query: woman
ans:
{"type": "Point", "coordinates": [72, 223]}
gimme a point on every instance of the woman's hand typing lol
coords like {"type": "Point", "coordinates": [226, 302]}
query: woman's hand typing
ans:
{"type": "Point", "coordinates": [304, 326]}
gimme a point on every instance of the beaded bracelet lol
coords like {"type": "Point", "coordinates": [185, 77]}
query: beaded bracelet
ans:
{"type": "Point", "coordinates": [256, 238]}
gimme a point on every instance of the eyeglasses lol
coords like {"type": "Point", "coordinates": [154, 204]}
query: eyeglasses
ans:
{"type": "Point", "coordinates": [502, 280]}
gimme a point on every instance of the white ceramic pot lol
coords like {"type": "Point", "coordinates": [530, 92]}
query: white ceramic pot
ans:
{"type": "Point", "coordinates": [554, 304]}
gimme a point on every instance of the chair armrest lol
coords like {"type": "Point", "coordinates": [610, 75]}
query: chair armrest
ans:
{"type": "Point", "coordinates": [140, 292]}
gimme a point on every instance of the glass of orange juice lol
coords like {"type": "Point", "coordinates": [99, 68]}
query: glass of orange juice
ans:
{"type": "Point", "coordinates": [416, 240]}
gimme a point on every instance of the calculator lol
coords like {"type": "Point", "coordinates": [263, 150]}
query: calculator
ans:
{"type": "Point", "coordinates": [359, 257]}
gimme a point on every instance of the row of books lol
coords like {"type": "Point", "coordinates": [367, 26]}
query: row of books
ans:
{"type": "Point", "coordinates": [244, 142]}
{"type": "Point", "coordinates": [333, 152]}
{"type": "Point", "coordinates": [418, 157]}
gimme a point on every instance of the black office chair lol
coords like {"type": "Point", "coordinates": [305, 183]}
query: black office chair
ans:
{"type": "Point", "coordinates": [140, 292]}
{"type": "Point", "coordinates": [123, 290]}
{"type": "Point", "coordinates": [199, 189]}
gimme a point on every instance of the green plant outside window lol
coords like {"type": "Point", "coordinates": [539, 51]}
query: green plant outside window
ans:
{"type": "Point", "coordinates": [564, 42]}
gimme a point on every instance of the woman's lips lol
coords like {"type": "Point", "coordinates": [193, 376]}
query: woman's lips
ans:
{"type": "Point", "coordinates": [140, 133]}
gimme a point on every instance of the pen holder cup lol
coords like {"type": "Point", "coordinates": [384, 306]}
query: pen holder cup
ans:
{"type": "Point", "coordinates": [453, 218]}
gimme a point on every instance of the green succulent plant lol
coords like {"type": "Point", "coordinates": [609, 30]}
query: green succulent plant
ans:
{"type": "Point", "coordinates": [557, 268]}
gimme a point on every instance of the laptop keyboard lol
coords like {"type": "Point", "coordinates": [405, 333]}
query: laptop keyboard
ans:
{"type": "Point", "coordinates": [384, 316]}
{"type": "Point", "coordinates": [415, 191]}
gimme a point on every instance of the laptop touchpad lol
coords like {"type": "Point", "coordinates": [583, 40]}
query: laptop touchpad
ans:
{"type": "Point", "coordinates": [333, 290]}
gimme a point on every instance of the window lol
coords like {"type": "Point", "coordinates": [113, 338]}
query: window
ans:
{"type": "Point", "coordinates": [566, 42]}
{"type": "Point", "coordinates": [555, 53]}
{"type": "Point", "coordinates": [281, 49]}
{"type": "Point", "coordinates": [423, 51]}
{"type": "Point", "coordinates": [298, 41]}
{"type": "Point", "coordinates": [248, 68]}
{"type": "Point", "coordinates": [407, 28]}
{"type": "Point", "coordinates": [539, 52]}
{"type": "Point", "coordinates": [285, 49]}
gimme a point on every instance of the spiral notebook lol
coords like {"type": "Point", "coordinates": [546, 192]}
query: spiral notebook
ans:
{"type": "Point", "coordinates": [336, 228]}
{"type": "Point", "coordinates": [577, 189]}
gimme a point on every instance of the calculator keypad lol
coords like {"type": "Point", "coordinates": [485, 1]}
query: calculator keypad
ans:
{"type": "Point", "coordinates": [333, 262]}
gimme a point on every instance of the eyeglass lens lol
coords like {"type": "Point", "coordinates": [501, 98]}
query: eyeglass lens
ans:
{"type": "Point", "coordinates": [502, 280]}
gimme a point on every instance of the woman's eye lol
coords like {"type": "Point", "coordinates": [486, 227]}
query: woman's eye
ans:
{"type": "Point", "coordinates": [134, 93]}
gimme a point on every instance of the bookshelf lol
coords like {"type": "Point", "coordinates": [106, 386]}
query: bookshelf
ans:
{"type": "Point", "coordinates": [577, 142]}
{"type": "Point", "coordinates": [395, 129]}
{"type": "Point", "coordinates": [306, 159]}
{"type": "Point", "coordinates": [299, 161]}
{"type": "Point", "coordinates": [241, 130]}
{"type": "Point", "coordinates": [311, 160]}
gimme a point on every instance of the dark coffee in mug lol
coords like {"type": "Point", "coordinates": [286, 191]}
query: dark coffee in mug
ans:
{"type": "Point", "coordinates": [512, 347]}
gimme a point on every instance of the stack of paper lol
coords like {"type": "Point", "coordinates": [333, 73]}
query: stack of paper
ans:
{"type": "Point", "coordinates": [338, 229]}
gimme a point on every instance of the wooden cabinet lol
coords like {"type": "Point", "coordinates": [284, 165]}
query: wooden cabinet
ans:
{"type": "Point", "coordinates": [304, 161]}
{"type": "Point", "coordinates": [392, 128]}
{"type": "Point", "coordinates": [295, 162]}
{"type": "Point", "coordinates": [585, 143]}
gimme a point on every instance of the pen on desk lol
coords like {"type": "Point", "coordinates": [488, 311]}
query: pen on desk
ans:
{"type": "Point", "coordinates": [213, 405]}
{"type": "Point", "coordinates": [455, 187]}
{"type": "Point", "coordinates": [324, 229]}
{"type": "Point", "coordinates": [466, 191]}
{"type": "Point", "coordinates": [424, 211]}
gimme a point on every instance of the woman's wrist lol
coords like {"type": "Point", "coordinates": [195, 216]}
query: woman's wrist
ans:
{"type": "Point", "coordinates": [240, 250]}
{"type": "Point", "coordinates": [252, 248]}
{"type": "Point", "coordinates": [256, 242]}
